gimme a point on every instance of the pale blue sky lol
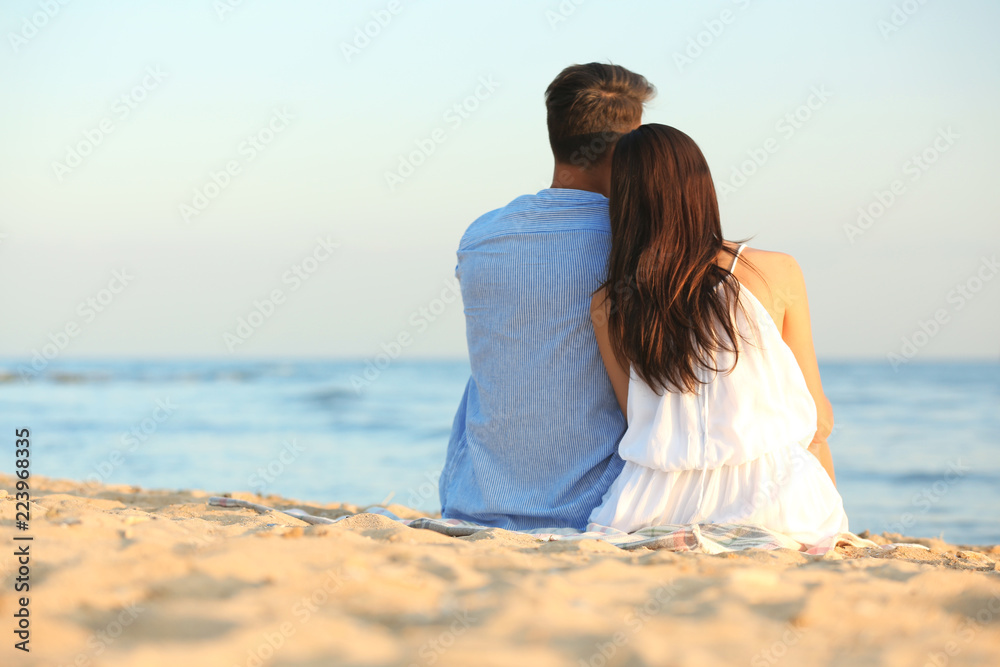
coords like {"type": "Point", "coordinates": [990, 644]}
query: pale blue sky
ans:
{"type": "Point", "coordinates": [323, 174]}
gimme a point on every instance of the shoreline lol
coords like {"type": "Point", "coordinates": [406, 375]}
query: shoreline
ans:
{"type": "Point", "coordinates": [126, 576]}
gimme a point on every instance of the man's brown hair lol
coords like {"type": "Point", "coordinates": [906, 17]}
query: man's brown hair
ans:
{"type": "Point", "coordinates": [589, 107]}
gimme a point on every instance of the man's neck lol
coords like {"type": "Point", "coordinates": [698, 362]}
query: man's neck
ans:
{"type": "Point", "coordinates": [596, 179]}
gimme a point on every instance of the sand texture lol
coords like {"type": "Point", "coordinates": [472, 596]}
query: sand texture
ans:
{"type": "Point", "coordinates": [124, 576]}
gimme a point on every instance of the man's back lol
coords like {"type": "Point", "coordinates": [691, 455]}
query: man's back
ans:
{"type": "Point", "coordinates": [534, 442]}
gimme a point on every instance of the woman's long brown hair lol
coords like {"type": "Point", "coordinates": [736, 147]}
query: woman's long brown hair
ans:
{"type": "Point", "coordinates": [672, 306]}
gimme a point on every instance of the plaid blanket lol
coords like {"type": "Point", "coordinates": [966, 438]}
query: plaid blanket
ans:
{"type": "Point", "coordinates": [704, 538]}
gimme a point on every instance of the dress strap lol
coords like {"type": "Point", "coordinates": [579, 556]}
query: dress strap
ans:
{"type": "Point", "coordinates": [737, 257]}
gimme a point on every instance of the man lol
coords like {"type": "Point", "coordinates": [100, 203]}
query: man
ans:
{"type": "Point", "coordinates": [534, 442]}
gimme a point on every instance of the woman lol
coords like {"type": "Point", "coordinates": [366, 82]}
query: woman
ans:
{"type": "Point", "coordinates": [709, 349]}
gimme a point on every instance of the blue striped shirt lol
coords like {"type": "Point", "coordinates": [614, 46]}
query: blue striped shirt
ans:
{"type": "Point", "coordinates": [535, 441]}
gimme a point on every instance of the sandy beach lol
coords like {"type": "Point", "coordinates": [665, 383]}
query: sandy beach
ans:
{"type": "Point", "coordinates": [124, 576]}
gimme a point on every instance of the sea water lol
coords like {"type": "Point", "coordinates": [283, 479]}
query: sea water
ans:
{"type": "Point", "coordinates": [916, 449]}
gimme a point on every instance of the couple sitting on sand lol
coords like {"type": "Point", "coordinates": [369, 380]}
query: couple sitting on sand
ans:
{"type": "Point", "coordinates": [630, 366]}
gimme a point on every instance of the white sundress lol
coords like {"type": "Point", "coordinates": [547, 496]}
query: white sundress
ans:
{"type": "Point", "coordinates": [734, 452]}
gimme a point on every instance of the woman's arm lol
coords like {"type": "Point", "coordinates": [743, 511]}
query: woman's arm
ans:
{"type": "Point", "coordinates": [599, 309]}
{"type": "Point", "coordinates": [796, 330]}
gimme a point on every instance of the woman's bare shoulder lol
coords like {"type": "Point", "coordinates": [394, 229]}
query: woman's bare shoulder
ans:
{"type": "Point", "coordinates": [778, 268]}
{"type": "Point", "coordinates": [774, 278]}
